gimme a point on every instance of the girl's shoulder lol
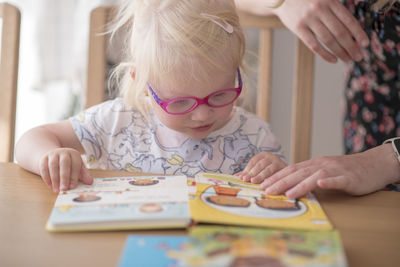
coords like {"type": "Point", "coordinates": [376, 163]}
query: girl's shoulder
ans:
{"type": "Point", "coordinates": [111, 110]}
{"type": "Point", "coordinates": [249, 116]}
{"type": "Point", "coordinates": [116, 105]}
{"type": "Point", "coordinates": [242, 119]}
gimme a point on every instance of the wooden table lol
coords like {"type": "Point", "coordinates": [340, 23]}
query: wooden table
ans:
{"type": "Point", "coordinates": [369, 226]}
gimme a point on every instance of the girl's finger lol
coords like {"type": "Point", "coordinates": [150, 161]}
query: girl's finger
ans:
{"type": "Point", "coordinates": [85, 176]}
{"type": "Point", "coordinates": [54, 170]}
{"type": "Point", "coordinates": [260, 166]}
{"type": "Point", "coordinates": [44, 171]}
{"type": "Point", "coordinates": [266, 172]}
{"type": "Point", "coordinates": [65, 171]}
{"type": "Point", "coordinates": [76, 163]}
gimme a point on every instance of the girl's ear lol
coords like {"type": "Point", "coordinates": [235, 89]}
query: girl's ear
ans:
{"type": "Point", "coordinates": [133, 75]}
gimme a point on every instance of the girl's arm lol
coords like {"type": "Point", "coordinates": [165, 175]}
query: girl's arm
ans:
{"type": "Point", "coordinates": [54, 152]}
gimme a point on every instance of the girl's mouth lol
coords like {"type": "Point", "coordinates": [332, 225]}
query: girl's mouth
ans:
{"type": "Point", "coordinates": [202, 128]}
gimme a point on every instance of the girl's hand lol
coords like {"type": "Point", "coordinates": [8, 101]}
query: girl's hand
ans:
{"type": "Point", "coordinates": [328, 23]}
{"type": "Point", "coordinates": [356, 174]}
{"type": "Point", "coordinates": [61, 169]}
{"type": "Point", "coordinates": [260, 167]}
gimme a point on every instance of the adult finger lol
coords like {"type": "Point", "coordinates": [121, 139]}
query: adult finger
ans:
{"type": "Point", "coordinates": [285, 172]}
{"type": "Point", "coordinates": [265, 173]}
{"type": "Point", "coordinates": [309, 39]}
{"type": "Point", "coordinates": [337, 182]}
{"type": "Point", "coordinates": [343, 36]}
{"type": "Point", "coordinates": [288, 182]}
{"type": "Point", "coordinates": [65, 171]}
{"type": "Point", "coordinates": [350, 22]}
{"type": "Point", "coordinates": [305, 185]}
{"type": "Point", "coordinates": [54, 170]}
{"type": "Point", "coordinates": [339, 39]}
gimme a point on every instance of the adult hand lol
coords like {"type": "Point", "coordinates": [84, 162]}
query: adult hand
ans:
{"type": "Point", "coordinates": [356, 174]}
{"type": "Point", "coordinates": [324, 22]}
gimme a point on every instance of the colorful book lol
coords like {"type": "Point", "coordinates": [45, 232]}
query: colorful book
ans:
{"type": "Point", "coordinates": [144, 202]}
{"type": "Point", "coordinates": [225, 199]}
{"type": "Point", "coordinates": [214, 246]}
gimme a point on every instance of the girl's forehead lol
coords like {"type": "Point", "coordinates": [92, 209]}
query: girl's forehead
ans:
{"type": "Point", "coordinates": [184, 83]}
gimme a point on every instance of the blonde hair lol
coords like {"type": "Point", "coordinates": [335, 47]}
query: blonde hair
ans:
{"type": "Point", "coordinates": [166, 36]}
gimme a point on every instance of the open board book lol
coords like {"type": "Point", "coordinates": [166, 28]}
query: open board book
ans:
{"type": "Point", "coordinates": [218, 246]}
{"type": "Point", "coordinates": [117, 203]}
{"type": "Point", "coordinates": [149, 202]}
{"type": "Point", "coordinates": [224, 199]}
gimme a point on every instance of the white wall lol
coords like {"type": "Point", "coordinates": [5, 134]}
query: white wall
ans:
{"type": "Point", "coordinates": [328, 98]}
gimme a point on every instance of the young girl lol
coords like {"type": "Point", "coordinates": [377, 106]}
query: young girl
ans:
{"type": "Point", "coordinates": [176, 115]}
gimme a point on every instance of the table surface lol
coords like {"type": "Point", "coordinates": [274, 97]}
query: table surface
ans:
{"type": "Point", "coordinates": [368, 225]}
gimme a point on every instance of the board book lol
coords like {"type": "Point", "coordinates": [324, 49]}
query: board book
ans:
{"type": "Point", "coordinates": [144, 202]}
{"type": "Point", "coordinates": [214, 246]}
{"type": "Point", "coordinates": [225, 199]}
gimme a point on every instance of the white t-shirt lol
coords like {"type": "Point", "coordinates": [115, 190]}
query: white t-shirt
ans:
{"type": "Point", "coordinates": [117, 137]}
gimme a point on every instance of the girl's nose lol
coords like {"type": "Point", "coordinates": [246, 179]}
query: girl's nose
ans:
{"type": "Point", "coordinates": [201, 113]}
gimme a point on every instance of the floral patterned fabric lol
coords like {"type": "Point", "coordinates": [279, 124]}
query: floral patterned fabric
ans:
{"type": "Point", "coordinates": [372, 111]}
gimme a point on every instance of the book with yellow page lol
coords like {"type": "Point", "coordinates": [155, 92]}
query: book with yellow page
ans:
{"type": "Point", "coordinates": [225, 199]}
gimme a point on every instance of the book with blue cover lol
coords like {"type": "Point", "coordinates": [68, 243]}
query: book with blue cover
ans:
{"type": "Point", "coordinates": [117, 203]}
{"type": "Point", "coordinates": [217, 246]}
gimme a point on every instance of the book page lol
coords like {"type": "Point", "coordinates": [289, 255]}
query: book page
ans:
{"type": "Point", "coordinates": [225, 199]}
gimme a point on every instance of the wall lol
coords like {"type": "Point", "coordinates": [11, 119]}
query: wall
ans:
{"type": "Point", "coordinates": [328, 98]}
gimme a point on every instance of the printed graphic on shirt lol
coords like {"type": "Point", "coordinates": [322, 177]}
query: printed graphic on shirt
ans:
{"type": "Point", "coordinates": [119, 138]}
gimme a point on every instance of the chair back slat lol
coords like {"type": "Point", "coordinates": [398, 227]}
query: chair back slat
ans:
{"type": "Point", "coordinates": [10, 35]}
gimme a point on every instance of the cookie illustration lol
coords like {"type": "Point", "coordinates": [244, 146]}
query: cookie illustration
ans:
{"type": "Point", "coordinates": [151, 208]}
{"type": "Point", "coordinates": [143, 182]}
{"type": "Point", "coordinates": [84, 197]}
{"type": "Point", "coordinates": [227, 191]}
{"type": "Point", "coordinates": [277, 204]}
{"type": "Point", "coordinates": [229, 201]}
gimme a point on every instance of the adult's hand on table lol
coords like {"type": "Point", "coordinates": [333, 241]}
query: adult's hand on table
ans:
{"type": "Point", "coordinates": [356, 174]}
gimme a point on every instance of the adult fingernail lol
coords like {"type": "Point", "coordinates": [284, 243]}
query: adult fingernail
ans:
{"type": "Point", "coordinates": [270, 191]}
{"type": "Point", "coordinates": [359, 57]}
{"type": "Point", "coordinates": [364, 42]}
{"type": "Point", "coordinates": [265, 184]}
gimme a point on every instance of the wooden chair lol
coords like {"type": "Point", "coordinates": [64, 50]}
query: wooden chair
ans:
{"type": "Point", "coordinates": [11, 19]}
{"type": "Point", "coordinates": [302, 87]}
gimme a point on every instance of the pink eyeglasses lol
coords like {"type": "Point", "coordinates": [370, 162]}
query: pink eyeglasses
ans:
{"type": "Point", "coordinates": [183, 105]}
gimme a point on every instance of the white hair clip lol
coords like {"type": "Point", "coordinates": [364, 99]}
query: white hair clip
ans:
{"type": "Point", "coordinates": [227, 27]}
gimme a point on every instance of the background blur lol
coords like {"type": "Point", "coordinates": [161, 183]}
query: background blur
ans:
{"type": "Point", "coordinates": [52, 73]}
